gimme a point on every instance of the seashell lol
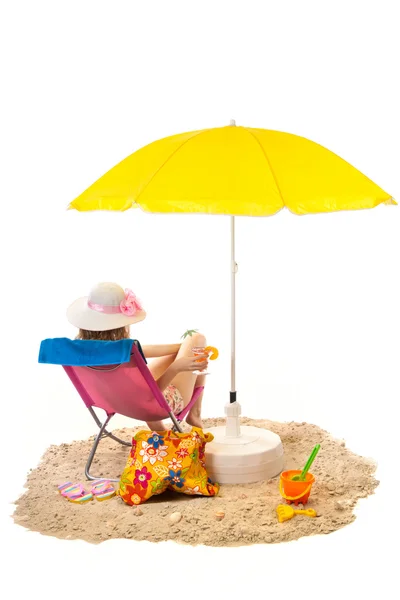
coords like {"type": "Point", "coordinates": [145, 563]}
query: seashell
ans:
{"type": "Point", "coordinates": [137, 512]}
{"type": "Point", "coordinates": [243, 496]}
{"type": "Point", "coordinates": [175, 517]}
{"type": "Point", "coordinates": [219, 515]}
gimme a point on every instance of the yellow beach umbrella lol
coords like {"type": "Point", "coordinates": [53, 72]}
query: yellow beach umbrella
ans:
{"type": "Point", "coordinates": [236, 171]}
{"type": "Point", "coordinates": [233, 171]}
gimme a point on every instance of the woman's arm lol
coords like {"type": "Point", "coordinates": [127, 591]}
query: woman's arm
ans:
{"type": "Point", "coordinates": [160, 350]}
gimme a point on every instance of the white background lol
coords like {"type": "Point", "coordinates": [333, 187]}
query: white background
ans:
{"type": "Point", "coordinates": [84, 84]}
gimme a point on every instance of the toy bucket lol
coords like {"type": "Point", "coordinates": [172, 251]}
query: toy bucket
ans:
{"type": "Point", "coordinates": [295, 491]}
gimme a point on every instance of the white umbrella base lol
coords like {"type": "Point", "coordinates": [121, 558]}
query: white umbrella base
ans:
{"type": "Point", "coordinates": [254, 455]}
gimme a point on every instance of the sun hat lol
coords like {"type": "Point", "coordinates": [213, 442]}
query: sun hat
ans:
{"type": "Point", "coordinates": [108, 306]}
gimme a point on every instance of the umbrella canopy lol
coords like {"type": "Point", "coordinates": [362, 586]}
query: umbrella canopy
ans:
{"type": "Point", "coordinates": [233, 171]}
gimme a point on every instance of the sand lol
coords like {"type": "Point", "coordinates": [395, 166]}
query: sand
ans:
{"type": "Point", "coordinates": [342, 478]}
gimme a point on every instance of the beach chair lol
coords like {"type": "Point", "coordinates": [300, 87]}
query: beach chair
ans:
{"type": "Point", "coordinates": [127, 388]}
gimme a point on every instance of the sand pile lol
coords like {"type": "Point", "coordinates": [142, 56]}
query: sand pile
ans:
{"type": "Point", "coordinates": [246, 512]}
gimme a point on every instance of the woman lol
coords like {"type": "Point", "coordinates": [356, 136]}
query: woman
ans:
{"type": "Point", "coordinates": [107, 313]}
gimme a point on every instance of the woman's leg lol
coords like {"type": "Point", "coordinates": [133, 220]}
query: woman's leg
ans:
{"type": "Point", "coordinates": [157, 367]}
{"type": "Point", "coordinates": [194, 414]}
{"type": "Point", "coordinates": [187, 381]}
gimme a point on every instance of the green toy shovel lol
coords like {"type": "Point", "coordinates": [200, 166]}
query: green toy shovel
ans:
{"type": "Point", "coordinates": [310, 461]}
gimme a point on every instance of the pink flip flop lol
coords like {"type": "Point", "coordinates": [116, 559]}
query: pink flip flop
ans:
{"type": "Point", "coordinates": [74, 492]}
{"type": "Point", "coordinates": [81, 499]}
{"type": "Point", "coordinates": [101, 487]}
{"type": "Point", "coordinates": [105, 495]}
{"type": "Point", "coordinates": [102, 490]}
{"type": "Point", "coordinates": [71, 491]}
{"type": "Point", "coordinates": [61, 488]}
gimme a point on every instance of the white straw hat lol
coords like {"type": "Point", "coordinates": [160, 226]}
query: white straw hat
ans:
{"type": "Point", "coordinates": [108, 306]}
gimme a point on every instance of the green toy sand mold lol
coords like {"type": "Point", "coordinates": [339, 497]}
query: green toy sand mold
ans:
{"type": "Point", "coordinates": [239, 515]}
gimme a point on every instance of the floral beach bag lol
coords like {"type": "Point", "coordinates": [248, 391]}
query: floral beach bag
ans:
{"type": "Point", "coordinates": [166, 459]}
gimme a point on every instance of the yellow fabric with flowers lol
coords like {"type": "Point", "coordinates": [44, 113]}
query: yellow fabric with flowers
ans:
{"type": "Point", "coordinates": [161, 460]}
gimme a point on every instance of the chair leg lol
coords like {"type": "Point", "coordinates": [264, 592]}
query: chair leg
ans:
{"type": "Point", "coordinates": [116, 439]}
{"type": "Point", "coordinates": [93, 452]}
{"type": "Point", "coordinates": [176, 423]}
{"type": "Point", "coordinates": [102, 433]}
{"type": "Point", "coordinates": [105, 432]}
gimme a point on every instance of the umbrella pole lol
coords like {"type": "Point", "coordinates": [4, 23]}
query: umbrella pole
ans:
{"type": "Point", "coordinates": [247, 454]}
{"type": "Point", "coordinates": [234, 269]}
{"type": "Point", "coordinates": [232, 410]}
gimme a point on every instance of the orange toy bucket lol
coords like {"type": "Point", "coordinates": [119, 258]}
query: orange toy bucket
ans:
{"type": "Point", "coordinates": [295, 491]}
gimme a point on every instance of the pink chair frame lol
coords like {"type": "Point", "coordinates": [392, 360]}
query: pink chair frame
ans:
{"type": "Point", "coordinates": [145, 401]}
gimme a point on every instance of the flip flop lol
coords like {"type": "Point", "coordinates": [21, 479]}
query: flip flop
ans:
{"type": "Point", "coordinates": [74, 492]}
{"type": "Point", "coordinates": [99, 488]}
{"type": "Point", "coordinates": [103, 490]}
{"type": "Point", "coordinates": [61, 488]}
{"type": "Point", "coordinates": [71, 491]}
{"type": "Point", "coordinates": [81, 499]}
{"type": "Point", "coordinates": [105, 495]}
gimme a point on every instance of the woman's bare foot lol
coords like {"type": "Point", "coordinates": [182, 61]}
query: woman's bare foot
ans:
{"type": "Point", "coordinates": [194, 420]}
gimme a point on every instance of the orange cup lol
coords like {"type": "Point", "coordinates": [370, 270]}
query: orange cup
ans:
{"type": "Point", "coordinates": [295, 491]}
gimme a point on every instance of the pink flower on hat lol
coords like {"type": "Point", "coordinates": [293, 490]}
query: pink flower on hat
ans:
{"type": "Point", "coordinates": [130, 305]}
